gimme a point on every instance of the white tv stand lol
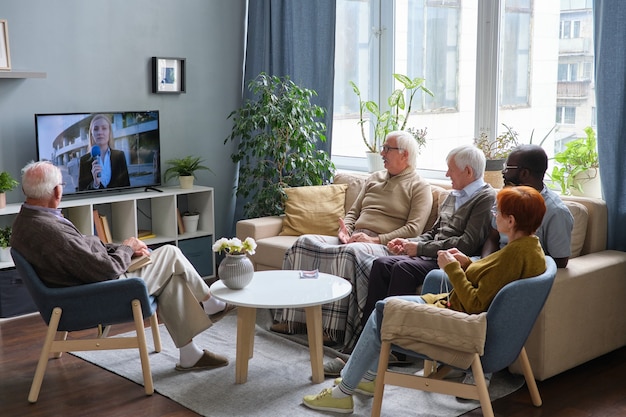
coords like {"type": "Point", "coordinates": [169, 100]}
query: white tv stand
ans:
{"type": "Point", "coordinates": [149, 210]}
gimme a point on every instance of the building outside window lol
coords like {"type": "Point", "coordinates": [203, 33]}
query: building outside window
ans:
{"type": "Point", "coordinates": [545, 70]}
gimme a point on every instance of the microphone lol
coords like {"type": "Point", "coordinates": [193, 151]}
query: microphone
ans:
{"type": "Point", "coordinates": [95, 152]}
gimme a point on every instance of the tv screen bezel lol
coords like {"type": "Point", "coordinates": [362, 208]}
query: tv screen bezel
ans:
{"type": "Point", "coordinates": [140, 174]}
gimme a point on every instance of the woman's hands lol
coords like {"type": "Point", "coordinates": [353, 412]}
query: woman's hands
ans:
{"type": "Point", "coordinates": [445, 257]}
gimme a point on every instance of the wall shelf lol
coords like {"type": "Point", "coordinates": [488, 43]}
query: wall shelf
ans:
{"type": "Point", "coordinates": [22, 74]}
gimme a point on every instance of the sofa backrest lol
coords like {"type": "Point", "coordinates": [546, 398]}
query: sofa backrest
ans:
{"type": "Point", "coordinates": [593, 236]}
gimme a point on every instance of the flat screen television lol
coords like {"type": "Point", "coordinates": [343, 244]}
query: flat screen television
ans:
{"type": "Point", "coordinates": [101, 152]}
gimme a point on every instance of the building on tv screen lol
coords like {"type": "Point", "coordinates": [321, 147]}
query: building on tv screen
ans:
{"type": "Point", "coordinates": [64, 139]}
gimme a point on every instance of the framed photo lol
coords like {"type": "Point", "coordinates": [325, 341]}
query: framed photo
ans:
{"type": "Point", "coordinates": [5, 56]}
{"type": "Point", "coordinates": [168, 75]}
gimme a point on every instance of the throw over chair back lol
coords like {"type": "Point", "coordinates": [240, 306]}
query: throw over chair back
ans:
{"type": "Point", "coordinates": [87, 306]}
{"type": "Point", "coordinates": [509, 320]}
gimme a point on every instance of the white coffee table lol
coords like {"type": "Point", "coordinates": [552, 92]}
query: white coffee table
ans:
{"type": "Point", "coordinates": [282, 289]}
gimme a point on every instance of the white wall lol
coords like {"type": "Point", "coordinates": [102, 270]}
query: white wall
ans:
{"type": "Point", "coordinates": [97, 58]}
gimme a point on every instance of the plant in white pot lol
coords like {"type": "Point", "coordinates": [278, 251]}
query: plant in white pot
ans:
{"type": "Point", "coordinates": [184, 169]}
{"type": "Point", "coordinates": [395, 118]}
{"type": "Point", "coordinates": [236, 270]}
{"type": "Point", "coordinates": [577, 170]}
{"type": "Point", "coordinates": [5, 244]}
{"type": "Point", "coordinates": [7, 183]}
{"type": "Point", "coordinates": [190, 221]}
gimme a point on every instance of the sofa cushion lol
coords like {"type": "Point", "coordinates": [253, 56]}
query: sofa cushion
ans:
{"type": "Point", "coordinates": [314, 210]}
{"type": "Point", "coordinates": [581, 216]}
{"type": "Point", "coordinates": [355, 183]}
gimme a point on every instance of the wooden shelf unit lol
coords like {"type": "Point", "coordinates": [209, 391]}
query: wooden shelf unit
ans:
{"type": "Point", "coordinates": [127, 212]}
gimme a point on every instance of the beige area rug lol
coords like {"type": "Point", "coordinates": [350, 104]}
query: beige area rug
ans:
{"type": "Point", "coordinates": [279, 375]}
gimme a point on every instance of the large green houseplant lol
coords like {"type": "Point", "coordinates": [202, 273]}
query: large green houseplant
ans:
{"type": "Point", "coordinates": [277, 131]}
{"type": "Point", "coordinates": [577, 164]}
{"type": "Point", "coordinates": [396, 115]}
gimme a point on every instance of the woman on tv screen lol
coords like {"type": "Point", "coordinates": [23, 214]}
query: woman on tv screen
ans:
{"type": "Point", "coordinates": [103, 166]}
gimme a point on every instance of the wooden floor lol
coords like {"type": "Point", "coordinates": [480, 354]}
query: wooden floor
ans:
{"type": "Point", "coordinates": [73, 387]}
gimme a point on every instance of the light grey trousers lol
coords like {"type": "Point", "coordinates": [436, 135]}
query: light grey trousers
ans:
{"type": "Point", "coordinates": [179, 289]}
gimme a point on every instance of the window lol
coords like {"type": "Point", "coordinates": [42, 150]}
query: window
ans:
{"type": "Point", "coordinates": [439, 41]}
{"type": "Point", "coordinates": [566, 115]}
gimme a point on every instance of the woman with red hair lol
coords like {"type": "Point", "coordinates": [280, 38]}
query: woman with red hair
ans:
{"type": "Point", "coordinates": [519, 213]}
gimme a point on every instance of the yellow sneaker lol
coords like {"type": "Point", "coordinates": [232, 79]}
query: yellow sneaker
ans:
{"type": "Point", "coordinates": [324, 401]}
{"type": "Point", "coordinates": [365, 388]}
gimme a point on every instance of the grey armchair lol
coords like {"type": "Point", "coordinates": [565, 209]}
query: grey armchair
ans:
{"type": "Point", "coordinates": [498, 342]}
{"type": "Point", "coordinates": [98, 305]}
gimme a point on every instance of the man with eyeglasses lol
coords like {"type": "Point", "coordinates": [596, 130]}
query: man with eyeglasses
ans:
{"type": "Point", "coordinates": [527, 165]}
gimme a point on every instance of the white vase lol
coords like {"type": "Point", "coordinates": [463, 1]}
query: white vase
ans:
{"type": "Point", "coordinates": [186, 181]}
{"type": "Point", "coordinates": [191, 223]}
{"type": "Point", "coordinates": [236, 271]}
{"type": "Point", "coordinates": [3, 200]}
{"type": "Point", "coordinates": [5, 254]}
{"type": "Point", "coordinates": [590, 183]}
{"type": "Point", "coordinates": [375, 161]}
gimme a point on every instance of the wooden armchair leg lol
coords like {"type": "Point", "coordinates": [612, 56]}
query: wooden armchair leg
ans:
{"type": "Point", "coordinates": [379, 390]}
{"type": "Point", "coordinates": [481, 386]}
{"type": "Point", "coordinates": [45, 354]}
{"type": "Point", "coordinates": [156, 335]}
{"type": "Point", "coordinates": [530, 378]}
{"type": "Point", "coordinates": [143, 347]}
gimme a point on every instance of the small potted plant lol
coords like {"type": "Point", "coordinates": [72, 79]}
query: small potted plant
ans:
{"type": "Point", "coordinates": [5, 243]}
{"type": "Point", "coordinates": [496, 151]}
{"type": "Point", "coordinates": [389, 120]}
{"type": "Point", "coordinates": [190, 221]}
{"type": "Point", "coordinates": [577, 167]}
{"type": "Point", "coordinates": [184, 169]}
{"type": "Point", "coordinates": [7, 183]}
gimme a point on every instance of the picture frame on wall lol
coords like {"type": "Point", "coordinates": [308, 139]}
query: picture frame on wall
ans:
{"type": "Point", "coordinates": [168, 75]}
{"type": "Point", "coordinates": [5, 56]}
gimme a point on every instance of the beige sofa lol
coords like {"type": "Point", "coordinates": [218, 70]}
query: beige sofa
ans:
{"type": "Point", "coordinates": [584, 316]}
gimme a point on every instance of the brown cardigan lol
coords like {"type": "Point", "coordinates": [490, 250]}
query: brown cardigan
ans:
{"type": "Point", "coordinates": [61, 255]}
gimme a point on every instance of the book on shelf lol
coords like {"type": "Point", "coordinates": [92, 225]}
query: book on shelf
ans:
{"type": "Point", "coordinates": [148, 236]}
{"type": "Point", "coordinates": [97, 221]}
{"type": "Point", "coordinates": [181, 225]}
{"type": "Point", "coordinates": [107, 229]}
{"type": "Point", "coordinates": [138, 262]}
{"type": "Point", "coordinates": [143, 233]}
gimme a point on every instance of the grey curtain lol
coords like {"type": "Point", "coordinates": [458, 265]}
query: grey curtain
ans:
{"type": "Point", "coordinates": [610, 72]}
{"type": "Point", "coordinates": [294, 38]}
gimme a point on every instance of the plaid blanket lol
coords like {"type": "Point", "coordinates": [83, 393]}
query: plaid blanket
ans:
{"type": "Point", "coordinates": [342, 318]}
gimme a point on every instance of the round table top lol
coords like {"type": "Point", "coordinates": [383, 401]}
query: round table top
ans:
{"type": "Point", "coordinates": [284, 289]}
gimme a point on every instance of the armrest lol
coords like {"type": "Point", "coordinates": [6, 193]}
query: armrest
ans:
{"type": "Point", "coordinates": [260, 227]}
{"type": "Point", "coordinates": [444, 335]}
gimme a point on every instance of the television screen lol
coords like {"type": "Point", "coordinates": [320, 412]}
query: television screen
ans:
{"type": "Point", "coordinates": [101, 151]}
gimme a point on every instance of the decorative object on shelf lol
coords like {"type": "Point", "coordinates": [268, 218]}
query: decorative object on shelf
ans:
{"type": "Point", "coordinates": [7, 183]}
{"type": "Point", "coordinates": [5, 242]}
{"type": "Point", "coordinates": [577, 170]}
{"type": "Point", "coordinates": [190, 221]}
{"type": "Point", "coordinates": [184, 169]}
{"type": "Point", "coordinates": [277, 132]}
{"type": "Point", "coordinates": [236, 270]}
{"type": "Point", "coordinates": [5, 55]}
{"type": "Point", "coordinates": [393, 119]}
{"type": "Point", "coordinates": [496, 151]}
{"type": "Point", "coordinates": [168, 75]}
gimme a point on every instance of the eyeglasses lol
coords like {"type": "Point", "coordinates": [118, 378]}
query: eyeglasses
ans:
{"type": "Point", "coordinates": [494, 212]}
{"type": "Point", "coordinates": [506, 167]}
{"type": "Point", "coordinates": [386, 148]}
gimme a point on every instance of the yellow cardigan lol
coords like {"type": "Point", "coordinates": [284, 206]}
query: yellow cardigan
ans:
{"type": "Point", "coordinates": [476, 287]}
